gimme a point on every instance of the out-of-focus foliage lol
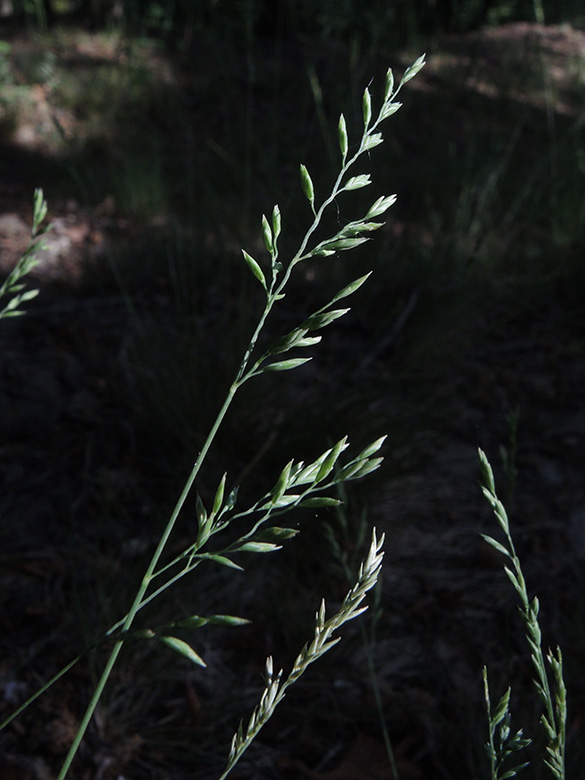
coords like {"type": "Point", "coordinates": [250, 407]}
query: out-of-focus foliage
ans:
{"type": "Point", "coordinates": [397, 20]}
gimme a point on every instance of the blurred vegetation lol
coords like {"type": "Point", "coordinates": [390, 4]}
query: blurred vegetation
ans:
{"type": "Point", "coordinates": [394, 21]}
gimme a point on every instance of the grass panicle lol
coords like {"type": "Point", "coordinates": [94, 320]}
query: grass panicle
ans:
{"type": "Point", "coordinates": [13, 284]}
{"type": "Point", "coordinates": [344, 535]}
{"type": "Point", "coordinates": [502, 743]}
{"type": "Point", "coordinates": [548, 670]}
{"type": "Point", "coordinates": [275, 689]}
{"type": "Point", "coordinates": [298, 484]}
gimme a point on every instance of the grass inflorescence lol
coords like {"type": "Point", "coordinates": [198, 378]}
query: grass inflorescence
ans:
{"type": "Point", "coordinates": [299, 485]}
{"type": "Point", "coordinates": [13, 286]}
{"type": "Point", "coordinates": [547, 668]}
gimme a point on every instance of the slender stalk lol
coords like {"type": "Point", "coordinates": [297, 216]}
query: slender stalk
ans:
{"type": "Point", "coordinates": [138, 599]}
{"type": "Point", "coordinates": [45, 687]}
{"type": "Point", "coordinates": [368, 644]}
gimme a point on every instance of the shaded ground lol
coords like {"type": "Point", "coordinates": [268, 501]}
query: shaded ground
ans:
{"type": "Point", "coordinates": [83, 491]}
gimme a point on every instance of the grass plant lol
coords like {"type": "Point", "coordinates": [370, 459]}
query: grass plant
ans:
{"type": "Point", "coordinates": [345, 537]}
{"type": "Point", "coordinates": [501, 742]}
{"type": "Point", "coordinates": [496, 213]}
{"type": "Point", "coordinates": [322, 642]}
{"type": "Point", "coordinates": [547, 669]}
{"type": "Point", "coordinates": [13, 286]}
{"type": "Point", "coordinates": [299, 485]}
